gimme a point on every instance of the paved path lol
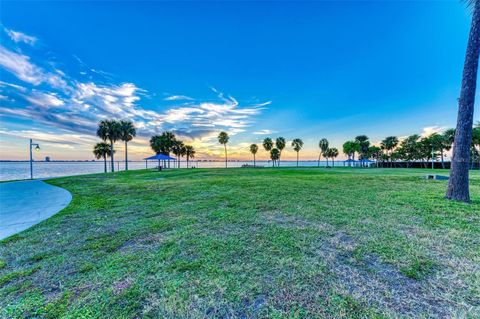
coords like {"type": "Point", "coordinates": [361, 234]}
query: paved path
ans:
{"type": "Point", "coordinates": [26, 203]}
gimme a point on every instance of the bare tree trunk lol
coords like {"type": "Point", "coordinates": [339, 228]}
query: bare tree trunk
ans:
{"type": "Point", "coordinates": [225, 145]}
{"type": "Point", "coordinates": [111, 156]}
{"type": "Point", "coordinates": [443, 164]}
{"type": "Point", "coordinates": [458, 188]}
{"type": "Point", "coordinates": [126, 157]}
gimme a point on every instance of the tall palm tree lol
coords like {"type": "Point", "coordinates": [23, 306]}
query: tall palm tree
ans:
{"type": "Point", "coordinates": [127, 133]}
{"type": "Point", "coordinates": [389, 144]}
{"type": "Point", "coordinates": [364, 144]}
{"type": "Point", "coordinates": [297, 145]}
{"type": "Point", "coordinates": [223, 139]}
{"type": "Point", "coordinates": [109, 130]}
{"type": "Point", "coordinates": [268, 145]}
{"type": "Point", "coordinates": [323, 144]}
{"type": "Point", "coordinates": [177, 149]}
{"type": "Point", "coordinates": [458, 183]}
{"type": "Point", "coordinates": [189, 152]}
{"type": "Point", "coordinates": [333, 152]}
{"type": "Point", "coordinates": [280, 143]}
{"type": "Point", "coordinates": [254, 150]}
{"type": "Point", "coordinates": [274, 155]}
{"type": "Point", "coordinates": [102, 150]}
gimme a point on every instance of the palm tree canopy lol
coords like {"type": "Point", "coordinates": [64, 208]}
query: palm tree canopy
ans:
{"type": "Point", "coordinates": [127, 131]}
{"type": "Point", "coordinates": [177, 147]}
{"type": "Point", "coordinates": [101, 150]}
{"type": "Point", "coordinates": [280, 143]}
{"type": "Point", "coordinates": [323, 144]}
{"type": "Point", "coordinates": [254, 149]}
{"type": "Point", "coordinates": [389, 143]}
{"type": "Point", "coordinates": [109, 130]}
{"type": "Point", "coordinates": [268, 144]}
{"type": "Point", "coordinates": [189, 151]}
{"type": "Point", "coordinates": [333, 152]}
{"type": "Point", "coordinates": [223, 138]}
{"type": "Point", "coordinates": [297, 144]}
{"type": "Point", "coordinates": [274, 154]}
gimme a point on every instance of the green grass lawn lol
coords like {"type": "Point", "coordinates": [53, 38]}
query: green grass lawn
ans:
{"type": "Point", "coordinates": [249, 243]}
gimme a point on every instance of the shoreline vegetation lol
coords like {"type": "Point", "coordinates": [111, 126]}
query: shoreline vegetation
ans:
{"type": "Point", "coordinates": [306, 244]}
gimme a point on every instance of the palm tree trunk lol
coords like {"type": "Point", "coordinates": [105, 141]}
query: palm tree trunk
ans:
{"type": "Point", "coordinates": [225, 145]}
{"type": "Point", "coordinates": [333, 161]}
{"type": "Point", "coordinates": [254, 160]}
{"type": "Point", "coordinates": [126, 156]}
{"type": "Point", "coordinates": [458, 182]}
{"type": "Point", "coordinates": [327, 161]}
{"type": "Point", "coordinates": [111, 156]}
{"type": "Point", "coordinates": [105, 163]}
{"type": "Point", "coordinates": [319, 159]}
{"type": "Point", "coordinates": [297, 159]}
{"type": "Point", "coordinates": [443, 164]}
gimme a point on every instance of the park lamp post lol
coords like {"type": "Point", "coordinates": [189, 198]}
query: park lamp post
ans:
{"type": "Point", "coordinates": [37, 148]}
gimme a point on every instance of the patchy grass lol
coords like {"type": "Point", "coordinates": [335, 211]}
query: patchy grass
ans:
{"type": "Point", "coordinates": [246, 243]}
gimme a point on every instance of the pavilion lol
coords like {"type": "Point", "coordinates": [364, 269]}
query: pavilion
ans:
{"type": "Point", "coordinates": [159, 157]}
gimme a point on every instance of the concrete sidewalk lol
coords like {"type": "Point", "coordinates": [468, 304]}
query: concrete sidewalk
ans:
{"type": "Point", "coordinates": [26, 203]}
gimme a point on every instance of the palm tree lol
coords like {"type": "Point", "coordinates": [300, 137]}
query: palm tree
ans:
{"type": "Point", "coordinates": [127, 133]}
{"type": "Point", "coordinates": [376, 153]}
{"type": "Point", "coordinates": [102, 150]}
{"type": "Point", "coordinates": [458, 183]}
{"type": "Point", "coordinates": [349, 148]}
{"type": "Point", "coordinates": [389, 144]}
{"type": "Point", "coordinates": [280, 143]}
{"type": "Point", "coordinates": [177, 149]}
{"type": "Point", "coordinates": [109, 130]}
{"type": "Point", "coordinates": [223, 139]}
{"type": "Point", "coordinates": [274, 155]}
{"type": "Point", "coordinates": [297, 146]}
{"type": "Point", "coordinates": [254, 150]}
{"type": "Point", "coordinates": [333, 152]}
{"type": "Point", "coordinates": [364, 144]}
{"type": "Point", "coordinates": [268, 145]}
{"type": "Point", "coordinates": [323, 144]}
{"type": "Point", "coordinates": [189, 153]}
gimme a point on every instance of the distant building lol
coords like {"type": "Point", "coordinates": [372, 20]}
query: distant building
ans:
{"type": "Point", "coordinates": [47, 158]}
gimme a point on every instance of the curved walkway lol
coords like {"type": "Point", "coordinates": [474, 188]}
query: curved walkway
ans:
{"type": "Point", "coordinates": [26, 203]}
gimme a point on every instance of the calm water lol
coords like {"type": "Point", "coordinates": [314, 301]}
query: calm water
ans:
{"type": "Point", "coordinates": [21, 170]}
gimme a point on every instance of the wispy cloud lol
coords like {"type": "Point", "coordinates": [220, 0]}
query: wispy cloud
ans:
{"type": "Point", "coordinates": [178, 98]}
{"type": "Point", "coordinates": [264, 132]}
{"type": "Point", "coordinates": [20, 66]}
{"type": "Point", "coordinates": [18, 36]}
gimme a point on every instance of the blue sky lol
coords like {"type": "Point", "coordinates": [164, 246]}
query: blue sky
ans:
{"type": "Point", "coordinates": [308, 70]}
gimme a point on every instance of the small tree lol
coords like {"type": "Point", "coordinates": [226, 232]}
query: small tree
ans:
{"type": "Point", "coordinates": [323, 144]}
{"type": "Point", "coordinates": [274, 155]}
{"type": "Point", "coordinates": [280, 143]}
{"type": "Point", "coordinates": [333, 153]}
{"type": "Point", "coordinates": [223, 139]}
{"type": "Point", "coordinates": [102, 150]}
{"type": "Point", "coordinates": [389, 144]}
{"type": "Point", "coordinates": [109, 130]}
{"type": "Point", "coordinates": [189, 153]}
{"type": "Point", "coordinates": [254, 150]}
{"type": "Point", "coordinates": [297, 146]}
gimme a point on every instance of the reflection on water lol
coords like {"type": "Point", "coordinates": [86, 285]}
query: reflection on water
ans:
{"type": "Point", "coordinates": [21, 170]}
